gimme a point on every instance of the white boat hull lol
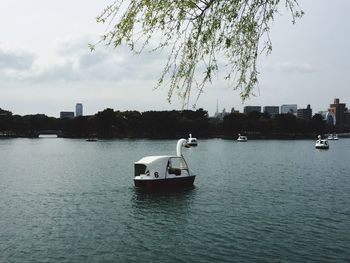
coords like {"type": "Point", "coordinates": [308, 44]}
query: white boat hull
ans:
{"type": "Point", "coordinates": [322, 144]}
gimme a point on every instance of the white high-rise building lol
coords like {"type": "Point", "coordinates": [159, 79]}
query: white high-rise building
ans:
{"type": "Point", "coordinates": [78, 109]}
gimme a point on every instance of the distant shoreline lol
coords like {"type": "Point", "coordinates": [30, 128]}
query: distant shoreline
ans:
{"type": "Point", "coordinates": [251, 136]}
{"type": "Point", "coordinates": [109, 124]}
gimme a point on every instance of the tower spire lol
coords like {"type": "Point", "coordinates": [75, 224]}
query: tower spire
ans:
{"type": "Point", "coordinates": [217, 108]}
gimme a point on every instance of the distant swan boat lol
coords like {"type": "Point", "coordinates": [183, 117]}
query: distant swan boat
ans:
{"type": "Point", "coordinates": [242, 138]}
{"type": "Point", "coordinates": [191, 141]}
{"type": "Point", "coordinates": [332, 137]}
{"type": "Point", "coordinates": [321, 143]}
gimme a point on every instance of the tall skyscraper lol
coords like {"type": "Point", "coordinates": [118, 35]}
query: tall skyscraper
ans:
{"type": "Point", "coordinates": [78, 109]}
{"type": "Point", "coordinates": [305, 113]}
{"type": "Point", "coordinates": [338, 109]}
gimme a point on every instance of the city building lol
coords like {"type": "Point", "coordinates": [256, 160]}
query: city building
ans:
{"type": "Point", "coordinates": [78, 109]}
{"type": "Point", "coordinates": [248, 109]}
{"type": "Point", "coordinates": [271, 110]}
{"type": "Point", "coordinates": [234, 111]}
{"type": "Point", "coordinates": [220, 115]}
{"type": "Point", "coordinates": [67, 114]}
{"type": "Point", "coordinates": [289, 109]}
{"type": "Point", "coordinates": [338, 109]}
{"type": "Point", "coordinates": [347, 121]}
{"type": "Point", "coordinates": [305, 113]}
{"type": "Point", "coordinates": [329, 117]}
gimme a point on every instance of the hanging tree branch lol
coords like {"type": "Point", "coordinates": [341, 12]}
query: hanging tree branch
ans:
{"type": "Point", "coordinates": [196, 33]}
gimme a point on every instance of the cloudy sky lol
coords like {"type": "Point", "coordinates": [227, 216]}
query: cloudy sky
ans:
{"type": "Point", "coordinates": [46, 66]}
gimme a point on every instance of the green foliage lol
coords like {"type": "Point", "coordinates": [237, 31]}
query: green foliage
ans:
{"type": "Point", "coordinates": [201, 36]}
{"type": "Point", "coordinates": [165, 124]}
{"type": "Point", "coordinates": [5, 112]}
{"type": "Point", "coordinates": [283, 125]}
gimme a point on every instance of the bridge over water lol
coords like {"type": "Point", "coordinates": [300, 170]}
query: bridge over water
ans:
{"type": "Point", "coordinates": [47, 132]}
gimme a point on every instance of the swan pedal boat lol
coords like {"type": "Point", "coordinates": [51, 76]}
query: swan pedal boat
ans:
{"type": "Point", "coordinates": [321, 143]}
{"type": "Point", "coordinates": [191, 141]}
{"type": "Point", "coordinates": [242, 138]}
{"type": "Point", "coordinates": [164, 172]}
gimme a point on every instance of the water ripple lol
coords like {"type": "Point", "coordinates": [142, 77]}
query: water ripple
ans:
{"type": "Point", "coordinates": [67, 201]}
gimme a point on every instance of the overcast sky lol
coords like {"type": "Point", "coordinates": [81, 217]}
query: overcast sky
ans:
{"type": "Point", "coordinates": [46, 66]}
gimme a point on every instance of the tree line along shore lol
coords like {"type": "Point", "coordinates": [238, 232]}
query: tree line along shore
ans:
{"type": "Point", "coordinates": [164, 124]}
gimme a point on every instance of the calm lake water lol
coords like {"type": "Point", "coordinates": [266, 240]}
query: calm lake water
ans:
{"type": "Point", "coordinates": [68, 200]}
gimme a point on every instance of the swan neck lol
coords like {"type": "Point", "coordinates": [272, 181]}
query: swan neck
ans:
{"type": "Point", "coordinates": [180, 144]}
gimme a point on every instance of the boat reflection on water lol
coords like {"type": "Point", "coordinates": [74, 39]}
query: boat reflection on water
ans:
{"type": "Point", "coordinates": [91, 139]}
{"type": "Point", "coordinates": [175, 199]}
